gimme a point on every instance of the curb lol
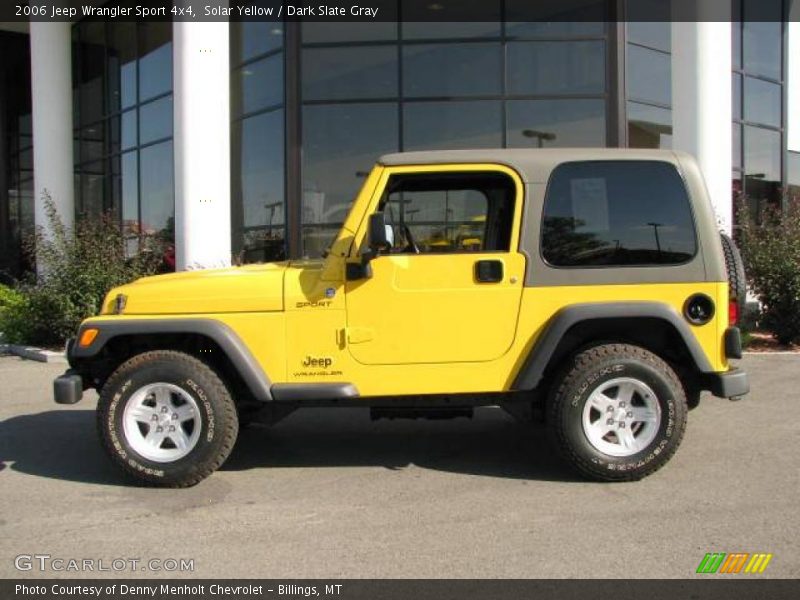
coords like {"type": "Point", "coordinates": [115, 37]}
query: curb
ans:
{"type": "Point", "coordinates": [33, 353]}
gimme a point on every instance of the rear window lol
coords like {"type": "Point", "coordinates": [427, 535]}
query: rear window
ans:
{"type": "Point", "coordinates": [617, 213]}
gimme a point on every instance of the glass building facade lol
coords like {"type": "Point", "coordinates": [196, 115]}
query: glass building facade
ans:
{"type": "Point", "coordinates": [122, 103]}
{"type": "Point", "coordinates": [258, 142]}
{"type": "Point", "coordinates": [314, 104]}
{"type": "Point", "coordinates": [759, 126]}
{"type": "Point", "coordinates": [418, 86]}
{"type": "Point", "coordinates": [648, 75]}
{"type": "Point", "coordinates": [16, 153]}
{"type": "Point", "coordinates": [347, 93]}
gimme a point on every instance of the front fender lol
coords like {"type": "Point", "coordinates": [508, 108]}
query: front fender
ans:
{"type": "Point", "coordinates": [234, 348]}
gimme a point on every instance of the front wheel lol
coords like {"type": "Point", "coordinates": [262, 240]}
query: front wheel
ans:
{"type": "Point", "coordinates": [617, 412]}
{"type": "Point", "coordinates": [167, 419]}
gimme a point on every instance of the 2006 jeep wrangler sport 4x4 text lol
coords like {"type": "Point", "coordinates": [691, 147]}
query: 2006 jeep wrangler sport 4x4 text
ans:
{"type": "Point", "coordinates": [592, 284]}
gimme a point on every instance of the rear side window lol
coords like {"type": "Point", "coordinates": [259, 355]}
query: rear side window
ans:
{"type": "Point", "coordinates": [617, 213]}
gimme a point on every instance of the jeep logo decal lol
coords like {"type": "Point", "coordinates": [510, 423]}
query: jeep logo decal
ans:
{"type": "Point", "coordinates": [322, 361]}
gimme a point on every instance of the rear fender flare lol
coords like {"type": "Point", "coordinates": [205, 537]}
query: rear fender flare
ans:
{"type": "Point", "coordinates": [540, 355]}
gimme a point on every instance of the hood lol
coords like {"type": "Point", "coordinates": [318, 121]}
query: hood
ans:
{"type": "Point", "coordinates": [252, 288]}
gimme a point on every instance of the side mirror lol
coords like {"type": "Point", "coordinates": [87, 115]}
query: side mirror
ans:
{"type": "Point", "coordinates": [379, 235]}
{"type": "Point", "coordinates": [380, 238]}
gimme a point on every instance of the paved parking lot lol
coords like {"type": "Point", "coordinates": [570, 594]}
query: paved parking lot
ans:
{"type": "Point", "coordinates": [331, 494]}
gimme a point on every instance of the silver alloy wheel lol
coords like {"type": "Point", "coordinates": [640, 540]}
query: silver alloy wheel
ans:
{"type": "Point", "coordinates": [621, 417]}
{"type": "Point", "coordinates": [161, 422]}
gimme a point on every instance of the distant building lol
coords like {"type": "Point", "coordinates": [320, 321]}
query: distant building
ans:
{"type": "Point", "coordinates": [251, 139]}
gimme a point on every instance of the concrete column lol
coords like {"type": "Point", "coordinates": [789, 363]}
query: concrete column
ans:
{"type": "Point", "coordinates": [702, 103]}
{"type": "Point", "coordinates": [51, 98]}
{"type": "Point", "coordinates": [793, 83]}
{"type": "Point", "coordinates": [202, 145]}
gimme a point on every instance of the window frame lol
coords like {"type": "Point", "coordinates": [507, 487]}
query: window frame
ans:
{"type": "Point", "coordinates": [359, 244]}
{"type": "Point", "coordinates": [387, 193]}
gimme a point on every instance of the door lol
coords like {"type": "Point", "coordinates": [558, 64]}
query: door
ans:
{"type": "Point", "coordinates": [449, 288]}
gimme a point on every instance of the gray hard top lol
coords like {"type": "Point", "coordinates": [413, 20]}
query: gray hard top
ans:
{"type": "Point", "coordinates": [535, 165]}
{"type": "Point", "coordinates": [532, 164]}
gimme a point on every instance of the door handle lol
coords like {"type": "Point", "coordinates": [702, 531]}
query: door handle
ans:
{"type": "Point", "coordinates": [359, 335]}
{"type": "Point", "coordinates": [489, 271]}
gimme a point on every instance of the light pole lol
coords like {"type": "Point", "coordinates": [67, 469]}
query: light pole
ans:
{"type": "Point", "coordinates": [271, 207]}
{"type": "Point", "coordinates": [540, 136]}
{"type": "Point", "coordinates": [655, 227]}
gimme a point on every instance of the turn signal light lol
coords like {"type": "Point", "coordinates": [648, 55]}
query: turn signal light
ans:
{"type": "Point", "coordinates": [87, 337]}
{"type": "Point", "coordinates": [733, 313]}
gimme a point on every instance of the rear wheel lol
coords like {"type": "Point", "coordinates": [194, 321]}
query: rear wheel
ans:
{"type": "Point", "coordinates": [617, 412]}
{"type": "Point", "coordinates": [167, 419]}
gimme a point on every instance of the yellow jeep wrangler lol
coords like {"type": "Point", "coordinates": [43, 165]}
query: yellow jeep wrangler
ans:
{"type": "Point", "coordinates": [595, 292]}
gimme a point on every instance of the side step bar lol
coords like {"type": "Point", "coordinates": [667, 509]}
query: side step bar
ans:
{"type": "Point", "coordinates": [305, 392]}
{"type": "Point", "coordinates": [436, 413]}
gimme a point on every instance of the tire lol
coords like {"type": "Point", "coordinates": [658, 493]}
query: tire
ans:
{"type": "Point", "coordinates": [734, 265]}
{"type": "Point", "coordinates": [654, 413]}
{"type": "Point", "coordinates": [167, 419]}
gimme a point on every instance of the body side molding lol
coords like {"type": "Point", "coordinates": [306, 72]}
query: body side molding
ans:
{"type": "Point", "coordinates": [530, 374]}
{"type": "Point", "coordinates": [237, 351]}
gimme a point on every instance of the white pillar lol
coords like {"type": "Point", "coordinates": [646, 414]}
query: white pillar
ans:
{"type": "Point", "coordinates": [702, 103]}
{"type": "Point", "coordinates": [793, 103]}
{"type": "Point", "coordinates": [51, 98]}
{"type": "Point", "coordinates": [202, 145]}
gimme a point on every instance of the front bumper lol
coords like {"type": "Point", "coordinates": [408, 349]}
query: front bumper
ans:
{"type": "Point", "coordinates": [730, 384]}
{"type": "Point", "coordinates": [68, 388]}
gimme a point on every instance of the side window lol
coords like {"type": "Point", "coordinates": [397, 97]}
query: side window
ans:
{"type": "Point", "coordinates": [450, 212]}
{"type": "Point", "coordinates": [617, 213]}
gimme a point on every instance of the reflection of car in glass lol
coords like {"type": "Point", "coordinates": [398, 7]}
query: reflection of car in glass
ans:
{"type": "Point", "coordinates": [438, 242]}
{"type": "Point", "coordinates": [470, 235]}
{"type": "Point", "coordinates": [587, 286]}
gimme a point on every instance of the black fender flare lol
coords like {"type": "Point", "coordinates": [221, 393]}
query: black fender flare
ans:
{"type": "Point", "coordinates": [532, 370]}
{"type": "Point", "coordinates": [231, 344]}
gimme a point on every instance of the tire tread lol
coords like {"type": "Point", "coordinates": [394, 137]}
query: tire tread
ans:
{"type": "Point", "coordinates": [589, 359]}
{"type": "Point", "coordinates": [734, 266]}
{"type": "Point", "coordinates": [217, 387]}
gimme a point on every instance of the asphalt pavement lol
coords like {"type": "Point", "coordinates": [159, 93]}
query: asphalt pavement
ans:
{"type": "Point", "coordinates": [330, 494]}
